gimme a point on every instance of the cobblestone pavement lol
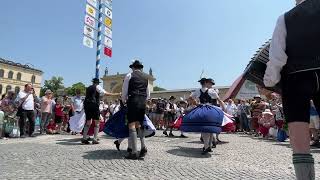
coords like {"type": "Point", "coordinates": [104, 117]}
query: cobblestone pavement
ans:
{"type": "Point", "coordinates": [63, 157]}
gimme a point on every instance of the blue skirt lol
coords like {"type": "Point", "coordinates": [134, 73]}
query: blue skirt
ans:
{"type": "Point", "coordinates": [117, 125]}
{"type": "Point", "coordinates": [203, 119]}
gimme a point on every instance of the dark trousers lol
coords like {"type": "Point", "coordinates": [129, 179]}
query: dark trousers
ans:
{"type": "Point", "coordinates": [22, 122]}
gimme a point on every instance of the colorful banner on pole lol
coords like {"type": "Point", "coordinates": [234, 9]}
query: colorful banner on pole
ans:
{"type": "Point", "coordinates": [108, 32]}
{"type": "Point", "coordinates": [90, 21]}
{"type": "Point", "coordinates": [91, 10]}
{"type": "Point", "coordinates": [108, 12]}
{"type": "Point", "coordinates": [108, 3]}
{"type": "Point", "coordinates": [93, 3]}
{"type": "Point", "coordinates": [87, 42]}
{"type": "Point", "coordinates": [107, 51]}
{"type": "Point", "coordinates": [88, 31]}
{"type": "Point", "coordinates": [108, 42]}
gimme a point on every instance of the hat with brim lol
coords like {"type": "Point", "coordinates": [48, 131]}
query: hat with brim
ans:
{"type": "Point", "coordinates": [257, 96]}
{"type": "Point", "coordinates": [268, 112]}
{"type": "Point", "coordinates": [211, 81]}
{"type": "Point", "coordinates": [202, 80]}
{"type": "Point", "coordinates": [136, 64]}
{"type": "Point", "coordinates": [96, 80]}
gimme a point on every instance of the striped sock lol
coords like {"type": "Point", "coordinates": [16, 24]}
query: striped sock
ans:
{"type": "Point", "coordinates": [304, 166]}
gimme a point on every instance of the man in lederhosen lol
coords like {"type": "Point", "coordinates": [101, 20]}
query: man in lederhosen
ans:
{"type": "Point", "coordinates": [92, 111]}
{"type": "Point", "coordinates": [295, 59]}
{"type": "Point", "coordinates": [135, 93]}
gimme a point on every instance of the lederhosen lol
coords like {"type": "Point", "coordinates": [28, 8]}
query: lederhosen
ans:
{"type": "Point", "coordinates": [300, 77]}
{"type": "Point", "coordinates": [171, 115]}
{"type": "Point", "coordinates": [91, 103]}
{"type": "Point", "coordinates": [137, 96]}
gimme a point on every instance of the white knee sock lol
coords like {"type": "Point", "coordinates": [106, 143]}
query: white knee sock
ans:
{"type": "Point", "coordinates": [304, 166]}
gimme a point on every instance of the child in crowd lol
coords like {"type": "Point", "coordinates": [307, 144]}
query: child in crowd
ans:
{"type": "Point", "coordinates": [58, 114]}
{"type": "Point", "coordinates": [52, 127]}
{"type": "Point", "coordinates": [266, 122]}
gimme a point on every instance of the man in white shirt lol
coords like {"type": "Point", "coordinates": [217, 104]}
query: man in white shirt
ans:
{"type": "Point", "coordinates": [26, 104]}
{"type": "Point", "coordinates": [135, 93]}
{"type": "Point", "coordinates": [295, 59]}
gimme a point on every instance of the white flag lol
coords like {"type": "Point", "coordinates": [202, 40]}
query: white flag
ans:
{"type": "Point", "coordinates": [92, 3]}
{"type": "Point", "coordinates": [108, 3]}
{"type": "Point", "coordinates": [87, 42]}
{"type": "Point", "coordinates": [90, 21]}
{"type": "Point", "coordinates": [91, 10]}
{"type": "Point", "coordinates": [108, 12]}
{"type": "Point", "coordinates": [108, 32]}
{"type": "Point", "coordinates": [88, 31]}
{"type": "Point", "coordinates": [108, 42]}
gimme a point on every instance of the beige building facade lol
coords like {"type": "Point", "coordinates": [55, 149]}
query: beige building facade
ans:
{"type": "Point", "coordinates": [113, 83]}
{"type": "Point", "coordinates": [13, 76]}
{"type": "Point", "coordinates": [184, 93]}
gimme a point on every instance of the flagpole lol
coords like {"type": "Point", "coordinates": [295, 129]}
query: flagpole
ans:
{"type": "Point", "coordinates": [99, 45]}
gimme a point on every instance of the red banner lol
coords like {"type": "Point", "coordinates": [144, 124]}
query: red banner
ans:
{"type": "Point", "coordinates": [107, 51]}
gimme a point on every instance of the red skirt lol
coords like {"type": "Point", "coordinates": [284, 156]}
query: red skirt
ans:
{"type": "Point", "coordinates": [230, 127]}
{"type": "Point", "coordinates": [91, 129]}
{"type": "Point", "coordinates": [177, 123]}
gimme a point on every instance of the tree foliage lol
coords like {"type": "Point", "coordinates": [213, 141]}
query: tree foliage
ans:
{"type": "Point", "coordinates": [72, 90]}
{"type": "Point", "coordinates": [53, 84]}
{"type": "Point", "coordinates": [157, 88]}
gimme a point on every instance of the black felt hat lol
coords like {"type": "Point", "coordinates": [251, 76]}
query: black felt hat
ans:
{"type": "Point", "coordinates": [136, 64]}
{"type": "Point", "coordinates": [202, 80]}
{"type": "Point", "coordinates": [96, 80]}
{"type": "Point", "coordinates": [210, 80]}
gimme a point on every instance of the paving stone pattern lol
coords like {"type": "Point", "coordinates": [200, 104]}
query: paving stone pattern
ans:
{"type": "Point", "coordinates": [63, 157]}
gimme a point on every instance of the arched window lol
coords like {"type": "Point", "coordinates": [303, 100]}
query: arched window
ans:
{"type": "Point", "coordinates": [19, 76]}
{"type": "Point", "coordinates": [1, 73]}
{"type": "Point", "coordinates": [8, 88]}
{"type": "Point", "coordinates": [33, 79]}
{"type": "Point", "coordinates": [10, 75]}
{"type": "Point", "coordinates": [17, 90]}
{"type": "Point", "coordinates": [0, 89]}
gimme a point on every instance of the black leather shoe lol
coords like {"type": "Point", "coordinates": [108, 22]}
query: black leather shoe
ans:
{"type": "Point", "coordinates": [143, 152]}
{"type": "Point", "coordinates": [205, 152]}
{"type": "Point", "coordinates": [214, 145]}
{"type": "Point", "coordinates": [84, 141]}
{"type": "Point", "coordinates": [165, 133]}
{"type": "Point", "coordinates": [183, 136]}
{"type": "Point", "coordinates": [117, 145]}
{"type": "Point", "coordinates": [131, 156]}
{"type": "Point", "coordinates": [95, 142]}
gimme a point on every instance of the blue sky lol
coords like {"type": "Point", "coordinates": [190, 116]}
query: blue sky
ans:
{"type": "Point", "coordinates": [177, 38]}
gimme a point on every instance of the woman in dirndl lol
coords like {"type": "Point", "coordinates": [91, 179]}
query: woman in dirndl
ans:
{"type": "Point", "coordinates": [205, 118]}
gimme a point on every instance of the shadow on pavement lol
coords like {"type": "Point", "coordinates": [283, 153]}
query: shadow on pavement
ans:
{"type": "Point", "coordinates": [70, 142]}
{"type": "Point", "coordinates": [195, 142]}
{"type": "Point", "coordinates": [189, 152]}
{"type": "Point", "coordinates": [107, 154]}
